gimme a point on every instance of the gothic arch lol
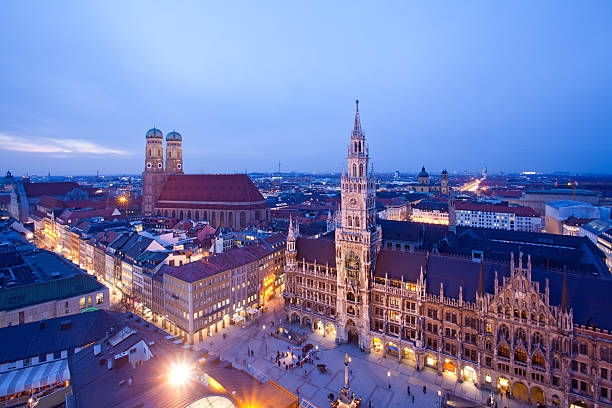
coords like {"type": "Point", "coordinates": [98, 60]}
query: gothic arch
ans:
{"type": "Point", "coordinates": [230, 219]}
{"type": "Point", "coordinates": [173, 213]}
{"type": "Point", "coordinates": [361, 170]}
{"type": "Point", "coordinates": [181, 214]}
{"type": "Point", "coordinates": [354, 170]}
{"type": "Point", "coordinates": [189, 214]}
{"type": "Point", "coordinates": [242, 219]}
{"type": "Point", "coordinates": [221, 218]}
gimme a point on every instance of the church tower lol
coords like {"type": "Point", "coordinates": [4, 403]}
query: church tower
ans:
{"type": "Point", "coordinates": [174, 153]}
{"type": "Point", "coordinates": [358, 240]}
{"type": "Point", "coordinates": [153, 177]}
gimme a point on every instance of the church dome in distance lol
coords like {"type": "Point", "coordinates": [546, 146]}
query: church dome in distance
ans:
{"type": "Point", "coordinates": [155, 133]}
{"type": "Point", "coordinates": [423, 173]}
{"type": "Point", "coordinates": [174, 136]}
{"type": "Point", "coordinates": [444, 171]}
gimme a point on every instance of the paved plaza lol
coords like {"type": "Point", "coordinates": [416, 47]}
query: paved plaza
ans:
{"type": "Point", "coordinates": [370, 376]}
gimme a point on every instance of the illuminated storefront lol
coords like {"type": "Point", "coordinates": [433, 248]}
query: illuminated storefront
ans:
{"type": "Point", "coordinates": [469, 374]}
{"type": "Point", "coordinates": [377, 344]}
{"type": "Point", "coordinates": [503, 384]}
{"type": "Point", "coordinates": [449, 367]}
{"type": "Point", "coordinates": [393, 349]}
{"type": "Point", "coordinates": [431, 361]}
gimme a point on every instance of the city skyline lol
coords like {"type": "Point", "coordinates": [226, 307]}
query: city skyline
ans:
{"type": "Point", "coordinates": [508, 87]}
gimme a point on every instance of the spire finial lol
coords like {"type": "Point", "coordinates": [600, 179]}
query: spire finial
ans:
{"type": "Point", "coordinates": [357, 132]}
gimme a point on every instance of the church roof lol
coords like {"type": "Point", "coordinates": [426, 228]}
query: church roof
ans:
{"type": "Point", "coordinates": [423, 173]}
{"type": "Point", "coordinates": [213, 188]}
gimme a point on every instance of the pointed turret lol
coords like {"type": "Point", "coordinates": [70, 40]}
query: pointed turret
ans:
{"type": "Point", "coordinates": [357, 131]}
{"type": "Point", "coordinates": [481, 280]}
{"type": "Point", "coordinates": [291, 231]}
{"type": "Point", "coordinates": [565, 304]}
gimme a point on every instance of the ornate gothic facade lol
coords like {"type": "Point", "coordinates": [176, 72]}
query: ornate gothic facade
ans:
{"type": "Point", "coordinates": [532, 333]}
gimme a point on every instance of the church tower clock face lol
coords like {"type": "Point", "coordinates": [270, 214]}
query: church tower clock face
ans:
{"type": "Point", "coordinates": [353, 202]}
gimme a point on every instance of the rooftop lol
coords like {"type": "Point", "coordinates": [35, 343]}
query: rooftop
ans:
{"type": "Point", "coordinates": [51, 335]}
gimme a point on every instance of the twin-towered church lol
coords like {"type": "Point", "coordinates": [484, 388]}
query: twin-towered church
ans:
{"type": "Point", "coordinates": [221, 199]}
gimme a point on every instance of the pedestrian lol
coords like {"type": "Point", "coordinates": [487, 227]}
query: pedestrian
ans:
{"type": "Point", "coordinates": [413, 399]}
{"type": "Point", "coordinates": [408, 390]}
{"type": "Point", "coordinates": [389, 385]}
{"type": "Point", "coordinates": [278, 363]}
{"type": "Point", "coordinates": [424, 389]}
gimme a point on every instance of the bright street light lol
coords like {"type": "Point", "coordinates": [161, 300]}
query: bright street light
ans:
{"type": "Point", "coordinates": [122, 199]}
{"type": "Point", "coordinates": [179, 373]}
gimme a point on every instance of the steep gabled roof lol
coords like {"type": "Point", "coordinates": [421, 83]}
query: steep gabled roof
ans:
{"type": "Point", "coordinates": [213, 188]}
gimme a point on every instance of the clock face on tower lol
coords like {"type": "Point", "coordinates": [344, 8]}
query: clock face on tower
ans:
{"type": "Point", "coordinates": [353, 202]}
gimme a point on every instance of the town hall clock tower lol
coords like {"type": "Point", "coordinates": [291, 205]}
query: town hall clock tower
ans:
{"type": "Point", "coordinates": [358, 240]}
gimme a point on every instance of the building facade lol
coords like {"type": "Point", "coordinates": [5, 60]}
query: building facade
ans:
{"type": "Point", "coordinates": [497, 217]}
{"type": "Point", "coordinates": [529, 333]}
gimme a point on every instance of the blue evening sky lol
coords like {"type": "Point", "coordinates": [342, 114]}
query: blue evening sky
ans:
{"type": "Point", "coordinates": [511, 85]}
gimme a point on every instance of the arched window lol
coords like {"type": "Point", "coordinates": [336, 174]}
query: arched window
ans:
{"type": "Point", "coordinates": [524, 314]}
{"type": "Point", "coordinates": [604, 353]}
{"type": "Point", "coordinates": [556, 363]}
{"type": "Point", "coordinates": [197, 215]}
{"type": "Point", "coordinates": [181, 214]}
{"type": "Point", "coordinates": [536, 339]}
{"type": "Point", "coordinates": [213, 215]}
{"type": "Point", "coordinates": [350, 297]}
{"type": "Point", "coordinates": [349, 221]}
{"type": "Point", "coordinates": [205, 216]}
{"type": "Point", "coordinates": [165, 213]}
{"type": "Point", "coordinates": [538, 360]}
{"type": "Point", "coordinates": [221, 219]}
{"type": "Point", "coordinates": [361, 170]}
{"type": "Point", "coordinates": [230, 219]}
{"type": "Point", "coordinates": [242, 219]}
{"type": "Point", "coordinates": [189, 214]}
{"type": "Point", "coordinates": [503, 351]}
{"type": "Point", "coordinates": [354, 170]}
{"type": "Point", "coordinates": [520, 355]}
{"type": "Point", "coordinates": [356, 221]}
{"type": "Point", "coordinates": [173, 213]}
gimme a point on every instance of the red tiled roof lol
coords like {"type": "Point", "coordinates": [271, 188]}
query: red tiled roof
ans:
{"type": "Point", "coordinates": [321, 251]}
{"type": "Point", "coordinates": [50, 189]}
{"type": "Point", "coordinates": [217, 188]}
{"type": "Point", "coordinates": [520, 211]}
{"type": "Point", "coordinates": [218, 263]}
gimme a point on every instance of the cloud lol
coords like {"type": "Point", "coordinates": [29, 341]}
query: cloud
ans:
{"type": "Point", "coordinates": [56, 146]}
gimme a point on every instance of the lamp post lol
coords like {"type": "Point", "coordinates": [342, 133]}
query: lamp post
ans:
{"type": "Point", "coordinates": [440, 398]}
{"type": "Point", "coordinates": [389, 379]}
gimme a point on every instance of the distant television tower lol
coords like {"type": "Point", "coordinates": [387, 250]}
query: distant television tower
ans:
{"type": "Point", "coordinates": [279, 167]}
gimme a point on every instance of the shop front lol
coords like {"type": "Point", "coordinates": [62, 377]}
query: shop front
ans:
{"type": "Point", "coordinates": [330, 330]}
{"type": "Point", "coordinates": [449, 367]}
{"type": "Point", "coordinates": [409, 354]}
{"type": "Point", "coordinates": [393, 349]}
{"type": "Point", "coordinates": [431, 361]}
{"type": "Point", "coordinates": [469, 374]}
{"type": "Point", "coordinates": [377, 344]}
{"type": "Point", "coordinates": [503, 385]}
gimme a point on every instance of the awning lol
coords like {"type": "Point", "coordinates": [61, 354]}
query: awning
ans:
{"type": "Point", "coordinates": [237, 318]}
{"type": "Point", "coordinates": [34, 377]}
{"type": "Point", "coordinates": [251, 311]}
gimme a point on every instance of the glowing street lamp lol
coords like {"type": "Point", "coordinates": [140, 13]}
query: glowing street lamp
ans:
{"type": "Point", "coordinates": [122, 199]}
{"type": "Point", "coordinates": [179, 373]}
